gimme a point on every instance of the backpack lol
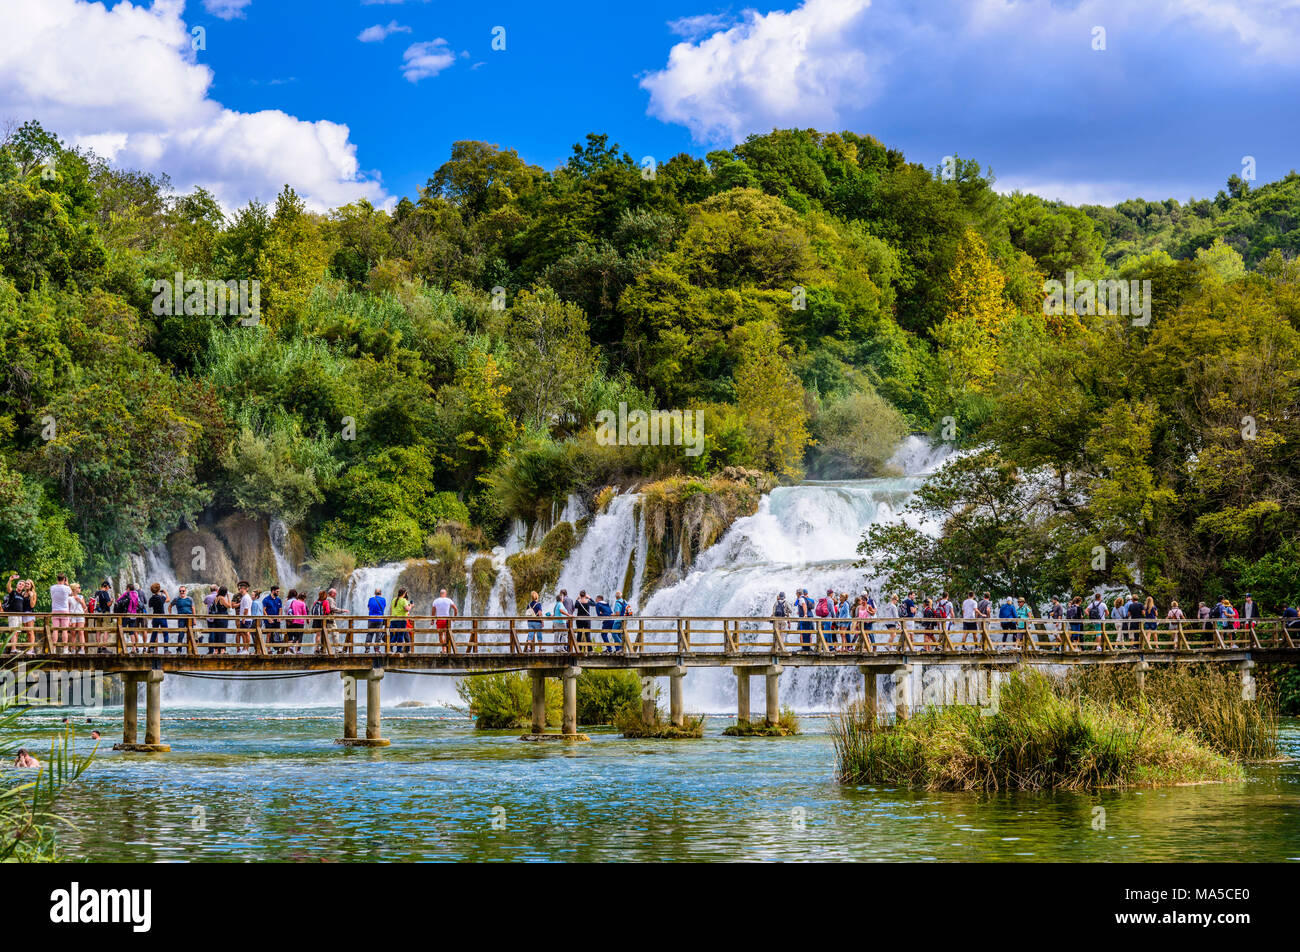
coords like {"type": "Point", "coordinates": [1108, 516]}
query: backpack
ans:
{"type": "Point", "coordinates": [943, 611]}
{"type": "Point", "coordinates": [823, 608]}
{"type": "Point", "coordinates": [317, 608]}
{"type": "Point", "coordinates": [123, 603]}
{"type": "Point", "coordinates": [1094, 612]}
{"type": "Point", "coordinates": [780, 609]}
{"type": "Point", "coordinates": [103, 601]}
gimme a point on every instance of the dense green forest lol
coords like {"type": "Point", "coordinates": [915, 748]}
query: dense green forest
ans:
{"type": "Point", "coordinates": [436, 370]}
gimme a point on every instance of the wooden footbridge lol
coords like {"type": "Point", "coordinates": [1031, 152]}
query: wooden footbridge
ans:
{"type": "Point", "coordinates": [146, 649]}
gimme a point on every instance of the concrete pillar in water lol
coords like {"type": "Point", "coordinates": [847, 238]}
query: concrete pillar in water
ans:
{"type": "Point", "coordinates": [130, 711]}
{"type": "Point", "coordinates": [676, 716]}
{"type": "Point", "coordinates": [773, 674]}
{"type": "Point", "coordinates": [569, 720]}
{"type": "Point", "coordinates": [539, 702]}
{"type": "Point", "coordinates": [1247, 680]}
{"type": "Point", "coordinates": [870, 693]}
{"type": "Point", "coordinates": [648, 695]}
{"type": "Point", "coordinates": [373, 737]}
{"type": "Point", "coordinates": [742, 695]}
{"type": "Point", "coordinates": [349, 705]}
{"type": "Point", "coordinates": [902, 691]}
{"type": "Point", "coordinates": [153, 712]}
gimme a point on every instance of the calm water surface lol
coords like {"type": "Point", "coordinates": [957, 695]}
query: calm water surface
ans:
{"type": "Point", "coordinates": [268, 784]}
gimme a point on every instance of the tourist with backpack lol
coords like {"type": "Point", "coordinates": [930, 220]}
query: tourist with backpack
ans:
{"type": "Point", "coordinates": [824, 609]}
{"type": "Point", "coordinates": [622, 609]}
{"type": "Point", "coordinates": [319, 611]}
{"type": "Point", "coordinates": [533, 612]}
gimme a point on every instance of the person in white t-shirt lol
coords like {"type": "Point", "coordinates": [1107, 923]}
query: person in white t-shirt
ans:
{"type": "Point", "coordinates": [60, 592]}
{"type": "Point", "coordinates": [244, 611]}
{"type": "Point", "coordinates": [970, 610]}
{"type": "Point", "coordinates": [444, 609]}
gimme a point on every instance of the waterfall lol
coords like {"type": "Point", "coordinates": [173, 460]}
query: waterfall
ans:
{"type": "Point", "coordinates": [286, 574]}
{"type": "Point", "coordinates": [154, 565]}
{"type": "Point", "coordinates": [802, 536]}
{"type": "Point", "coordinates": [363, 582]}
{"type": "Point", "coordinates": [599, 563]}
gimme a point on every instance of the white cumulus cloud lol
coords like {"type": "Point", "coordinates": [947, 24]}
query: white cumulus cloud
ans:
{"type": "Point", "coordinates": [125, 81]}
{"type": "Point", "coordinates": [779, 68]}
{"type": "Point", "coordinates": [422, 60]}
{"type": "Point", "coordinates": [378, 33]}
{"type": "Point", "coordinates": [226, 9]}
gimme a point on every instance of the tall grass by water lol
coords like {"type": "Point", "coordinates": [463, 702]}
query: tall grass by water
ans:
{"type": "Point", "coordinates": [1203, 700]}
{"type": "Point", "coordinates": [1043, 735]}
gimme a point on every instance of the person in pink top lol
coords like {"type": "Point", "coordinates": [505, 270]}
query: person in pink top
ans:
{"type": "Point", "coordinates": [297, 612]}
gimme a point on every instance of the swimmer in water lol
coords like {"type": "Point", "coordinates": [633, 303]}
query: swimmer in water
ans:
{"type": "Point", "coordinates": [26, 760]}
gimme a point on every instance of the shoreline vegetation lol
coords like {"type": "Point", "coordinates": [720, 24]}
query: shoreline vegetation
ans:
{"type": "Point", "coordinates": [1092, 729]}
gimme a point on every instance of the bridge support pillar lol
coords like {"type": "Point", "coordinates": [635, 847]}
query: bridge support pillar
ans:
{"type": "Point", "coordinates": [773, 675]}
{"type": "Point", "coordinates": [676, 716]}
{"type": "Point", "coordinates": [131, 713]}
{"type": "Point", "coordinates": [373, 737]}
{"type": "Point", "coordinates": [539, 702]}
{"type": "Point", "coordinates": [742, 695]}
{"type": "Point", "coordinates": [648, 711]}
{"type": "Point", "coordinates": [902, 691]}
{"type": "Point", "coordinates": [1140, 673]}
{"type": "Point", "coordinates": [870, 693]}
{"type": "Point", "coordinates": [349, 705]}
{"type": "Point", "coordinates": [569, 717]}
{"type": "Point", "coordinates": [1247, 680]}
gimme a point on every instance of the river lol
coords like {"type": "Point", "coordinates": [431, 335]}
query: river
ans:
{"type": "Point", "coordinates": [267, 784]}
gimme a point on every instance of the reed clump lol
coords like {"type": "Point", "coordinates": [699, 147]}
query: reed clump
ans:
{"type": "Point", "coordinates": [1041, 736]}
{"type": "Point", "coordinates": [786, 726]}
{"type": "Point", "coordinates": [1203, 700]}
{"type": "Point", "coordinates": [629, 724]}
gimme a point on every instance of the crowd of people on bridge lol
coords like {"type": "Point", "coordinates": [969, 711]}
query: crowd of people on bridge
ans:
{"type": "Point", "coordinates": [224, 621]}
{"type": "Point", "coordinates": [84, 622]}
{"type": "Point", "coordinates": [841, 620]}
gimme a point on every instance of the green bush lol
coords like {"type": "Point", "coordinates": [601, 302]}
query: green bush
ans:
{"type": "Point", "coordinates": [604, 694]}
{"type": "Point", "coordinates": [505, 701]}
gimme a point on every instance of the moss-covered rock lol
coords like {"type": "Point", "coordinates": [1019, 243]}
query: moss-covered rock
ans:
{"type": "Point", "coordinates": [685, 515]}
{"type": "Point", "coordinates": [537, 570]}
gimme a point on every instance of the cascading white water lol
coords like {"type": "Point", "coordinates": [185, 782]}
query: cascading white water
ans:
{"type": "Point", "coordinates": [600, 561]}
{"type": "Point", "coordinates": [286, 574]}
{"type": "Point", "coordinates": [803, 536]}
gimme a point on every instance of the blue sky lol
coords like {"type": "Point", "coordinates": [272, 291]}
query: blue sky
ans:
{"type": "Point", "coordinates": [1168, 101]}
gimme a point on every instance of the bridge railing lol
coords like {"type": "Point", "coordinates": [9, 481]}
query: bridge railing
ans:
{"type": "Point", "coordinates": [342, 635]}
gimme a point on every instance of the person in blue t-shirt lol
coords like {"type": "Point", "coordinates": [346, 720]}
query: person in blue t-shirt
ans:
{"type": "Point", "coordinates": [376, 607]}
{"type": "Point", "coordinates": [272, 606]}
{"type": "Point", "coordinates": [621, 610]}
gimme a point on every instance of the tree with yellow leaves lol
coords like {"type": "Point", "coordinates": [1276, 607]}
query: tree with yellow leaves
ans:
{"type": "Point", "coordinates": [771, 401]}
{"type": "Point", "coordinates": [968, 336]}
